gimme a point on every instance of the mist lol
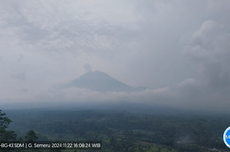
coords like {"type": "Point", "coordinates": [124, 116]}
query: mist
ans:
{"type": "Point", "coordinates": [179, 52]}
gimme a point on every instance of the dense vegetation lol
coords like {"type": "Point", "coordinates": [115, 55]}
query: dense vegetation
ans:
{"type": "Point", "coordinates": [124, 131]}
{"type": "Point", "coordinates": [5, 135]}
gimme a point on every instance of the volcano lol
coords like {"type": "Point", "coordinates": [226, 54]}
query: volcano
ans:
{"type": "Point", "coordinates": [102, 82]}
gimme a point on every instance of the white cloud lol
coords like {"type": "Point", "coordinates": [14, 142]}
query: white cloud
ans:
{"type": "Point", "coordinates": [187, 82]}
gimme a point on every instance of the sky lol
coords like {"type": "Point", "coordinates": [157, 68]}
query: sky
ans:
{"type": "Point", "coordinates": [179, 49]}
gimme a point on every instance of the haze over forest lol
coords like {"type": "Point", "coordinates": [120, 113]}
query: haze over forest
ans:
{"type": "Point", "coordinates": [179, 51]}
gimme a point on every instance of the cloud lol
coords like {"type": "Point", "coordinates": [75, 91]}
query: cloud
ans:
{"type": "Point", "coordinates": [87, 68]}
{"type": "Point", "coordinates": [210, 48]}
{"type": "Point", "coordinates": [19, 76]}
{"type": "Point", "coordinates": [187, 82]}
{"type": "Point", "coordinates": [20, 58]}
{"type": "Point", "coordinates": [76, 27]}
{"type": "Point", "coordinates": [178, 48]}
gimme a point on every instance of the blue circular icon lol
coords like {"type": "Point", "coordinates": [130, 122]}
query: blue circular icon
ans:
{"type": "Point", "coordinates": [226, 137]}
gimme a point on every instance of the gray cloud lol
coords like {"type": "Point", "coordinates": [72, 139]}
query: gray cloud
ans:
{"type": "Point", "coordinates": [178, 48]}
{"type": "Point", "coordinates": [20, 57]}
{"type": "Point", "coordinates": [87, 68]}
{"type": "Point", "coordinates": [210, 50]}
{"type": "Point", "coordinates": [19, 76]}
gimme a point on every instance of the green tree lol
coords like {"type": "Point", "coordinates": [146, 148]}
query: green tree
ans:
{"type": "Point", "coordinates": [31, 136]}
{"type": "Point", "coordinates": [5, 135]}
